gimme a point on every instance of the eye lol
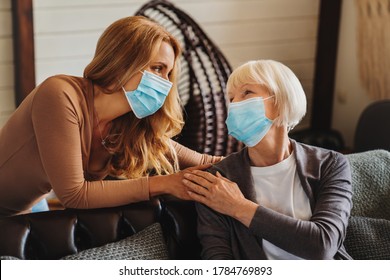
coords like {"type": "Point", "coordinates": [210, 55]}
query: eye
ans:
{"type": "Point", "coordinates": [157, 69]}
{"type": "Point", "coordinates": [247, 92]}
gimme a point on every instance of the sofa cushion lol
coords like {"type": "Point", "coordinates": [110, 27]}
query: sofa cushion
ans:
{"type": "Point", "coordinates": [147, 244]}
{"type": "Point", "coordinates": [368, 238]}
{"type": "Point", "coordinates": [8, 258]}
{"type": "Point", "coordinates": [371, 184]}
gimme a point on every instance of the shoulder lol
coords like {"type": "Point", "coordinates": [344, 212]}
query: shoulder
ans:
{"type": "Point", "coordinates": [60, 89]}
{"type": "Point", "coordinates": [235, 166]}
{"type": "Point", "coordinates": [320, 162]}
{"type": "Point", "coordinates": [308, 153]}
{"type": "Point", "coordinates": [232, 160]}
{"type": "Point", "coordinates": [60, 95]}
{"type": "Point", "coordinates": [62, 83]}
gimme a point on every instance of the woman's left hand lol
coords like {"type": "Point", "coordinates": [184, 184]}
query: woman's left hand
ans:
{"type": "Point", "coordinates": [220, 194]}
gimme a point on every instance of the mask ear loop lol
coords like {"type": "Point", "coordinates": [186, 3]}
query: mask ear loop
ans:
{"type": "Point", "coordinates": [123, 88]}
{"type": "Point", "coordinates": [269, 97]}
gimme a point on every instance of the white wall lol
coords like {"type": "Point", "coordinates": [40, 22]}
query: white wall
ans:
{"type": "Point", "coordinates": [350, 97]}
{"type": "Point", "coordinates": [7, 100]}
{"type": "Point", "coordinates": [66, 32]}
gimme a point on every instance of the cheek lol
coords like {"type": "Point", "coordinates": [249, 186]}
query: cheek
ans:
{"type": "Point", "coordinates": [271, 111]}
{"type": "Point", "coordinates": [133, 83]}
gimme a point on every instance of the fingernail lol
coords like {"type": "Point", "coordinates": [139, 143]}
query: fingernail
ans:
{"type": "Point", "coordinates": [186, 175]}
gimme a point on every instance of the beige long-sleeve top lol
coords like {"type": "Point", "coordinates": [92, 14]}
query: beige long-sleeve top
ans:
{"type": "Point", "coordinates": [46, 144]}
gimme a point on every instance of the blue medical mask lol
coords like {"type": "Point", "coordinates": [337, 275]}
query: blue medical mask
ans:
{"type": "Point", "coordinates": [247, 122]}
{"type": "Point", "coordinates": [149, 96]}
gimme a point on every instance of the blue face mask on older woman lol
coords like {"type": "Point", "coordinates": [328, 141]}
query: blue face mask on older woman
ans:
{"type": "Point", "coordinates": [149, 96]}
{"type": "Point", "coordinates": [247, 122]}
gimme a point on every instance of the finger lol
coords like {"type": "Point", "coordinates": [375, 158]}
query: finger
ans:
{"type": "Point", "coordinates": [196, 197]}
{"type": "Point", "coordinates": [200, 180]}
{"type": "Point", "coordinates": [206, 175]}
{"type": "Point", "coordinates": [195, 187]}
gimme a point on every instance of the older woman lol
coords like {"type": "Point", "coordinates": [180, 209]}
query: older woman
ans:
{"type": "Point", "coordinates": [71, 132]}
{"type": "Point", "coordinates": [276, 198]}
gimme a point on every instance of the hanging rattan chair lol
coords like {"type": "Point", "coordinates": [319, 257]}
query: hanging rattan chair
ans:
{"type": "Point", "coordinates": [202, 83]}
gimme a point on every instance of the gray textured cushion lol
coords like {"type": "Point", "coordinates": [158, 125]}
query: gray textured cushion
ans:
{"type": "Point", "coordinates": [368, 238]}
{"type": "Point", "coordinates": [147, 244]}
{"type": "Point", "coordinates": [8, 258]}
{"type": "Point", "coordinates": [371, 184]}
{"type": "Point", "coordinates": [368, 233]}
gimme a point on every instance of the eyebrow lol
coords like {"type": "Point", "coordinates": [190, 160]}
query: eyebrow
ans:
{"type": "Point", "coordinates": [246, 85]}
{"type": "Point", "coordinates": [160, 62]}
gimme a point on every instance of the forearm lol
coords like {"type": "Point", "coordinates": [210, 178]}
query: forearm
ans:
{"type": "Point", "coordinates": [313, 239]}
{"type": "Point", "coordinates": [157, 185]}
{"type": "Point", "coordinates": [188, 158]}
{"type": "Point", "coordinates": [105, 193]}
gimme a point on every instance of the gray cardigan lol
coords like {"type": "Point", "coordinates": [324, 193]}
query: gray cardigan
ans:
{"type": "Point", "coordinates": [326, 178]}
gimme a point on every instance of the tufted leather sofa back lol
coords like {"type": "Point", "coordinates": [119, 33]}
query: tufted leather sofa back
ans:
{"type": "Point", "coordinates": [55, 234]}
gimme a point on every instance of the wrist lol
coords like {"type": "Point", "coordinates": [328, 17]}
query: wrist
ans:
{"type": "Point", "coordinates": [245, 212]}
{"type": "Point", "coordinates": [156, 185]}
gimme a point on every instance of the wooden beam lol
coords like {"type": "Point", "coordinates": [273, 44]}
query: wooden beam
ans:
{"type": "Point", "coordinates": [326, 59]}
{"type": "Point", "coordinates": [23, 41]}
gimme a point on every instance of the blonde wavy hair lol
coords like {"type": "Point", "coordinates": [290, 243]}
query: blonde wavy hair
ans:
{"type": "Point", "coordinates": [139, 146]}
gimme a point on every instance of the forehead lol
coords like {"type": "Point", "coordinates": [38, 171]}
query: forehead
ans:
{"type": "Point", "coordinates": [165, 54]}
{"type": "Point", "coordinates": [250, 86]}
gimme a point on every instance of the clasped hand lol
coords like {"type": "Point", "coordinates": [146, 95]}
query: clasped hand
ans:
{"type": "Point", "coordinates": [173, 183]}
{"type": "Point", "coordinates": [216, 192]}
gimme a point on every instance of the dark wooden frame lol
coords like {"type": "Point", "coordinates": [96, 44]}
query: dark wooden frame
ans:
{"type": "Point", "coordinates": [23, 42]}
{"type": "Point", "coordinates": [325, 66]}
{"type": "Point", "coordinates": [326, 57]}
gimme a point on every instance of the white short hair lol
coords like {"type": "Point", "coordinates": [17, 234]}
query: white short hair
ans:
{"type": "Point", "coordinates": [280, 81]}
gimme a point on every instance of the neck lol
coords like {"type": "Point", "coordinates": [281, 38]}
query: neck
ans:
{"type": "Point", "coordinates": [273, 148]}
{"type": "Point", "coordinates": [109, 106]}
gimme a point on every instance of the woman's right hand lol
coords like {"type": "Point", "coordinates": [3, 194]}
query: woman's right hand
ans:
{"type": "Point", "coordinates": [221, 195]}
{"type": "Point", "coordinates": [173, 183]}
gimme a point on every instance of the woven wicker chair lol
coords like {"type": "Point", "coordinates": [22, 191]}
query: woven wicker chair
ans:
{"type": "Point", "coordinates": [204, 72]}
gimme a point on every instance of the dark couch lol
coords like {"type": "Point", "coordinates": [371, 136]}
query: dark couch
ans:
{"type": "Point", "coordinates": [59, 233]}
{"type": "Point", "coordinates": [56, 234]}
